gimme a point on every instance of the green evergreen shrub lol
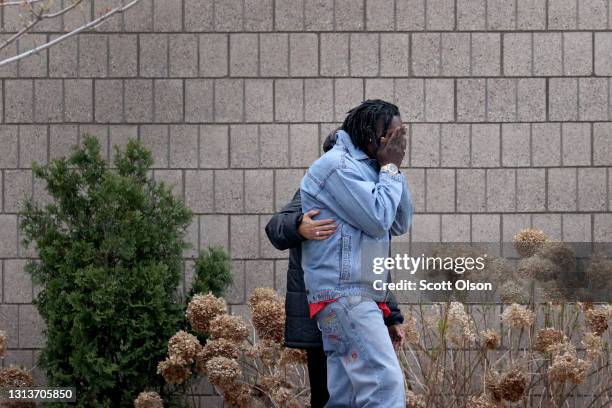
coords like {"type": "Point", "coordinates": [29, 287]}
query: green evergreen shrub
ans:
{"type": "Point", "coordinates": [212, 272]}
{"type": "Point", "coordinates": [110, 245]}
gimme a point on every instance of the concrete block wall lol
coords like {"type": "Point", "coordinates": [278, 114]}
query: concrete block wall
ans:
{"type": "Point", "coordinates": [508, 103]}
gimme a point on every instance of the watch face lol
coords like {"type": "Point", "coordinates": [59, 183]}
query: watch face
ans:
{"type": "Point", "coordinates": [392, 168]}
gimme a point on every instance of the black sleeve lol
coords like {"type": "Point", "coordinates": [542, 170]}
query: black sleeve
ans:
{"type": "Point", "coordinates": [396, 315]}
{"type": "Point", "coordinates": [282, 229]}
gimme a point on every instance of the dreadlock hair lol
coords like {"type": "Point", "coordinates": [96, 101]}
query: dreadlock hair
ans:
{"type": "Point", "coordinates": [361, 121]}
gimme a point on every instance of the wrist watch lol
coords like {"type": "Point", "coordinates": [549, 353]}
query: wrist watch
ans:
{"type": "Point", "coordinates": [390, 168]}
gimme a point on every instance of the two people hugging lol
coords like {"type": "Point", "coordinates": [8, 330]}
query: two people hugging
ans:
{"type": "Point", "coordinates": [352, 198]}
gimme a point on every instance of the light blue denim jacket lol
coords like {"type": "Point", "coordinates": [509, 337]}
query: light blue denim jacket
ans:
{"type": "Point", "coordinates": [368, 207]}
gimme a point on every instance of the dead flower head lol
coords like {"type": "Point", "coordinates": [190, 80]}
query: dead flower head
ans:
{"type": "Point", "coordinates": [414, 400]}
{"type": "Point", "coordinates": [497, 269]}
{"type": "Point", "coordinates": [184, 345]}
{"type": "Point", "coordinates": [268, 318]}
{"type": "Point", "coordinates": [528, 241]}
{"type": "Point", "coordinates": [222, 371]}
{"type": "Point", "coordinates": [238, 395]}
{"type": "Point", "coordinates": [600, 270]}
{"type": "Point", "coordinates": [267, 351]}
{"type": "Point", "coordinates": [518, 317]}
{"type": "Point", "coordinates": [537, 267]}
{"type": "Point", "coordinates": [509, 386]}
{"type": "Point", "coordinates": [148, 399]}
{"type": "Point", "coordinates": [547, 339]}
{"type": "Point", "coordinates": [490, 339]}
{"type": "Point", "coordinates": [460, 325]}
{"type": "Point", "coordinates": [174, 369]}
{"type": "Point", "coordinates": [15, 377]}
{"type": "Point", "coordinates": [480, 402]}
{"type": "Point", "coordinates": [513, 291]}
{"type": "Point", "coordinates": [229, 327]}
{"type": "Point", "coordinates": [284, 397]}
{"type": "Point", "coordinates": [202, 309]}
{"type": "Point", "coordinates": [259, 295]}
{"type": "Point", "coordinates": [292, 356]}
{"type": "Point", "coordinates": [596, 319]}
{"type": "Point", "coordinates": [593, 345]}
{"type": "Point", "coordinates": [566, 366]}
{"type": "Point", "coordinates": [216, 348]}
{"type": "Point", "coordinates": [561, 253]}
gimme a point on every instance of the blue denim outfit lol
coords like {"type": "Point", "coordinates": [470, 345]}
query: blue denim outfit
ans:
{"type": "Point", "coordinates": [362, 368]}
{"type": "Point", "coordinates": [368, 207]}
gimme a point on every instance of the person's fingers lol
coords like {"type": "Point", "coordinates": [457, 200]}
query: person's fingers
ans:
{"type": "Point", "coordinates": [396, 138]}
{"type": "Point", "coordinates": [322, 235]}
{"type": "Point", "coordinates": [329, 229]}
{"type": "Point", "coordinates": [326, 221]}
{"type": "Point", "coordinates": [325, 226]}
{"type": "Point", "coordinates": [311, 213]}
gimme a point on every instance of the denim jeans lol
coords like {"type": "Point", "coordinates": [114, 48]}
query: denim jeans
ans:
{"type": "Point", "coordinates": [362, 368]}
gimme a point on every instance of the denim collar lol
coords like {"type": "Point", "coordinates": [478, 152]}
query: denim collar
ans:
{"type": "Point", "coordinates": [343, 139]}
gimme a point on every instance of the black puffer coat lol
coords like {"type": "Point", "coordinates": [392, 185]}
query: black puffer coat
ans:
{"type": "Point", "coordinates": [300, 330]}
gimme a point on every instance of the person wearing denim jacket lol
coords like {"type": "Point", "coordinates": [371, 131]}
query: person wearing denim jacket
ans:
{"type": "Point", "coordinates": [357, 183]}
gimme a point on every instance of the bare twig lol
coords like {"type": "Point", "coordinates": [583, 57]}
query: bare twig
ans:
{"type": "Point", "coordinates": [18, 3]}
{"type": "Point", "coordinates": [92, 24]}
{"type": "Point", "coordinates": [39, 17]}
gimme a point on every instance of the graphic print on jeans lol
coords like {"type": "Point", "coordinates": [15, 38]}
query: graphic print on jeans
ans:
{"type": "Point", "coordinates": [360, 356]}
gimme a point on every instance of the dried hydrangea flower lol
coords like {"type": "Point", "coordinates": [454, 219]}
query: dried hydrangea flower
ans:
{"type": "Point", "coordinates": [513, 291]}
{"type": "Point", "coordinates": [270, 383]}
{"type": "Point", "coordinates": [593, 345]}
{"type": "Point", "coordinates": [238, 395]}
{"type": "Point", "coordinates": [15, 377]}
{"type": "Point", "coordinates": [202, 309]}
{"type": "Point", "coordinates": [266, 350]}
{"type": "Point", "coordinates": [229, 327]}
{"type": "Point", "coordinates": [490, 339]}
{"type": "Point", "coordinates": [259, 295]}
{"type": "Point", "coordinates": [2, 342]}
{"type": "Point", "coordinates": [480, 402]}
{"type": "Point", "coordinates": [528, 241]}
{"type": "Point", "coordinates": [518, 317]}
{"type": "Point", "coordinates": [497, 269]}
{"type": "Point", "coordinates": [596, 319]}
{"type": "Point", "coordinates": [551, 291]}
{"type": "Point", "coordinates": [292, 356]}
{"type": "Point", "coordinates": [460, 325]}
{"type": "Point", "coordinates": [184, 345]}
{"type": "Point", "coordinates": [513, 384]}
{"type": "Point", "coordinates": [566, 366]}
{"type": "Point", "coordinates": [216, 348]}
{"type": "Point", "coordinates": [537, 267]}
{"type": "Point", "coordinates": [509, 386]}
{"type": "Point", "coordinates": [411, 332]}
{"type": "Point", "coordinates": [492, 386]}
{"type": "Point", "coordinates": [561, 253]}
{"type": "Point", "coordinates": [148, 399]}
{"type": "Point", "coordinates": [269, 320]}
{"type": "Point", "coordinates": [414, 400]}
{"type": "Point", "coordinates": [222, 371]}
{"type": "Point", "coordinates": [283, 397]}
{"type": "Point", "coordinates": [547, 339]}
{"type": "Point", "coordinates": [174, 369]}
{"type": "Point", "coordinates": [600, 270]}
